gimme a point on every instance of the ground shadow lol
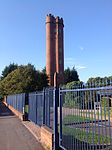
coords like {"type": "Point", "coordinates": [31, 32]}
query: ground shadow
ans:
{"type": "Point", "coordinates": [4, 110]}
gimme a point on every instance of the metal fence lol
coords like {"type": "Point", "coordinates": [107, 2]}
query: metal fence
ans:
{"type": "Point", "coordinates": [35, 111]}
{"type": "Point", "coordinates": [41, 107]}
{"type": "Point", "coordinates": [85, 118]}
{"type": "Point", "coordinates": [49, 107]}
{"type": "Point", "coordinates": [17, 101]}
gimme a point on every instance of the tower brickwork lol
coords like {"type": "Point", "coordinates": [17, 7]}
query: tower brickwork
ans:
{"type": "Point", "coordinates": [54, 48]}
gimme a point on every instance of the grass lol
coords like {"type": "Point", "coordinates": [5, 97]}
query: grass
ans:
{"type": "Point", "coordinates": [26, 108]}
{"type": "Point", "coordinates": [82, 135]}
{"type": "Point", "coordinates": [74, 118]}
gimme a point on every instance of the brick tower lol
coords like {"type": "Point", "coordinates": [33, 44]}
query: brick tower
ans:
{"type": "Point", "coordinates": [54, 48]}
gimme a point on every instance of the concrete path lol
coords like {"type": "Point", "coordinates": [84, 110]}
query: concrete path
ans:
{"type": "Point", "coordinates": [13, 134]}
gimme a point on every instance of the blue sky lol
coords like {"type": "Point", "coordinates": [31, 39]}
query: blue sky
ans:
{"type": "Point", "coordinates": [87, 31]}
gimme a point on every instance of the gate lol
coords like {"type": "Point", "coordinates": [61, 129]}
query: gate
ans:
{"type": "Point", "coordinates": [85, 118]}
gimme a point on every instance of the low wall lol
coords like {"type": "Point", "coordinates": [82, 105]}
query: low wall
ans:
{"type": "Point", "coordinates": [47, 137]}
{"type": "Point", "coordinates": [16, 112]}
{"type": "Point", "coordinates": [5, 103]}
{"type": "Point", "coordinates": [43, 134]}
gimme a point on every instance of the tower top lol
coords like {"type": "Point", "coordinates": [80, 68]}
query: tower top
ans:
{"type": "Point", "coordinates": [59, 20]}
{"type": "Point", "coordinates": [52, 19]}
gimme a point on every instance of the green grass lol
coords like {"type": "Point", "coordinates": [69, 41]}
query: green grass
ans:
{"type": "Point", "coordinates": [26, 108]}
{"type": "Point", "coordinates": [82, 135]}
{"type": "Point", "coordinates": [74, 118]}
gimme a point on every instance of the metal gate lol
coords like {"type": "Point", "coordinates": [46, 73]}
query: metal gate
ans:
{"type": "Point", "coordinates": [85, 118]}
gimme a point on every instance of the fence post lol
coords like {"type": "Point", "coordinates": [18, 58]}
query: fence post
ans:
{"type": "Point", "coordinates": [56, 102]}
{"type": "Point", "coordinates": [44, 106]}
{"type": "Point", "coordinates": [25, 102]}
{"type": "Point", "coordinates": [60, 118]}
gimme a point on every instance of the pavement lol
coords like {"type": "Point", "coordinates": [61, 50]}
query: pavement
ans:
{"type": "Point", "coordinates": [13, 134]}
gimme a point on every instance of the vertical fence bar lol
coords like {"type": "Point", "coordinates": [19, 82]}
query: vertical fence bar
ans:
{"type": "Point", "coordinates": [56, 102]}
{"type": "Point", "coordinates": [48, 110]}
{"type": "Point", "coordinates": [43, 106]}
{"type": "Point", "coordinates": [36, 107]}
{"type": "Point", "coordinates": [56, 135]}
{"type": "Point", "coordinates": [105, 117]}
{"type": "Point", "coordinates": [60, 106]}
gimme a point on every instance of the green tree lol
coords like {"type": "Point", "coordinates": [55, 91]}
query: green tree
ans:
{"type": "Point", "coordinates": [70, 75]}
{"type": "Point", "coordinates": [42, 80]}
{"type": "Point", "coordinates": [23, 79]}
{"type": "Point", "coordinates": [73, 99]}
{"type": "Point", "coordinates": [98, 81]}
{"type": "Point", "coordinates": [8, 69]}
{"type": "Point", "coordinates": [44, 70]}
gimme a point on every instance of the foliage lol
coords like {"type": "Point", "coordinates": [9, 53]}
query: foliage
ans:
{"type": "Point", "coordinates": [42, 80]}
{"type": "Point", "coordinates": [72, 99]}
{"type": "Point", "coordinates": [106, 109]}
{"type": "Point", "coordinates": [105, 102]}
{"type": "Point", "coordinates": [98, 81]}
{"type": "Point", "coordinates": [74, 85]}
{"type": "Point", "coordinates": [23, 80]}
{"type": "Point", "coordinates": [1, 98]}
{"type": "Point", "coordinates": [44, 70]}
{"type": "Point", "coordinates": [8, 69]}
{"type": "Point", "coordinates": [70, 75]}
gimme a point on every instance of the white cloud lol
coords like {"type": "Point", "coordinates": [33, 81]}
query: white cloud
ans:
{"type": "Point", "coordinates": [82, 48]}
{"type": "Point", "coordinates": [79, 67]}
{"type": "Point", "coordinates": [71, 62]}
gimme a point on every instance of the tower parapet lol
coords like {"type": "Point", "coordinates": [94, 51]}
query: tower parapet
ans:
{"type": "Point", "coordinates": [59, 20]}
{"type": "Point", "coordinates": [50, 19]}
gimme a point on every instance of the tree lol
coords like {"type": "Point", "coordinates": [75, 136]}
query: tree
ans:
{"type": "Point", "coordinates": [42, 80]}
{"type": "Point", "coordinates": [44, 70]}
{"type": "Point", "coordinates": [70, 75]}
{"type": "Point", "coordinates": [8, 69]}
{"type": "Point", "coordinates": [98, 81]}
{"type": "Point", "coordinates": [73, 99]}
{"type": "Point", "coordinates": [23, 80]}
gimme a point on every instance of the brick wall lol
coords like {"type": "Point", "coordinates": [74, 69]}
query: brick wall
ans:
{"type": "Point", "coordinates": [47, 137]}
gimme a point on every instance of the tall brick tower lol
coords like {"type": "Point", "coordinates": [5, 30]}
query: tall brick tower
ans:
{"type": "Point", "coordinates": [54, 48]}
